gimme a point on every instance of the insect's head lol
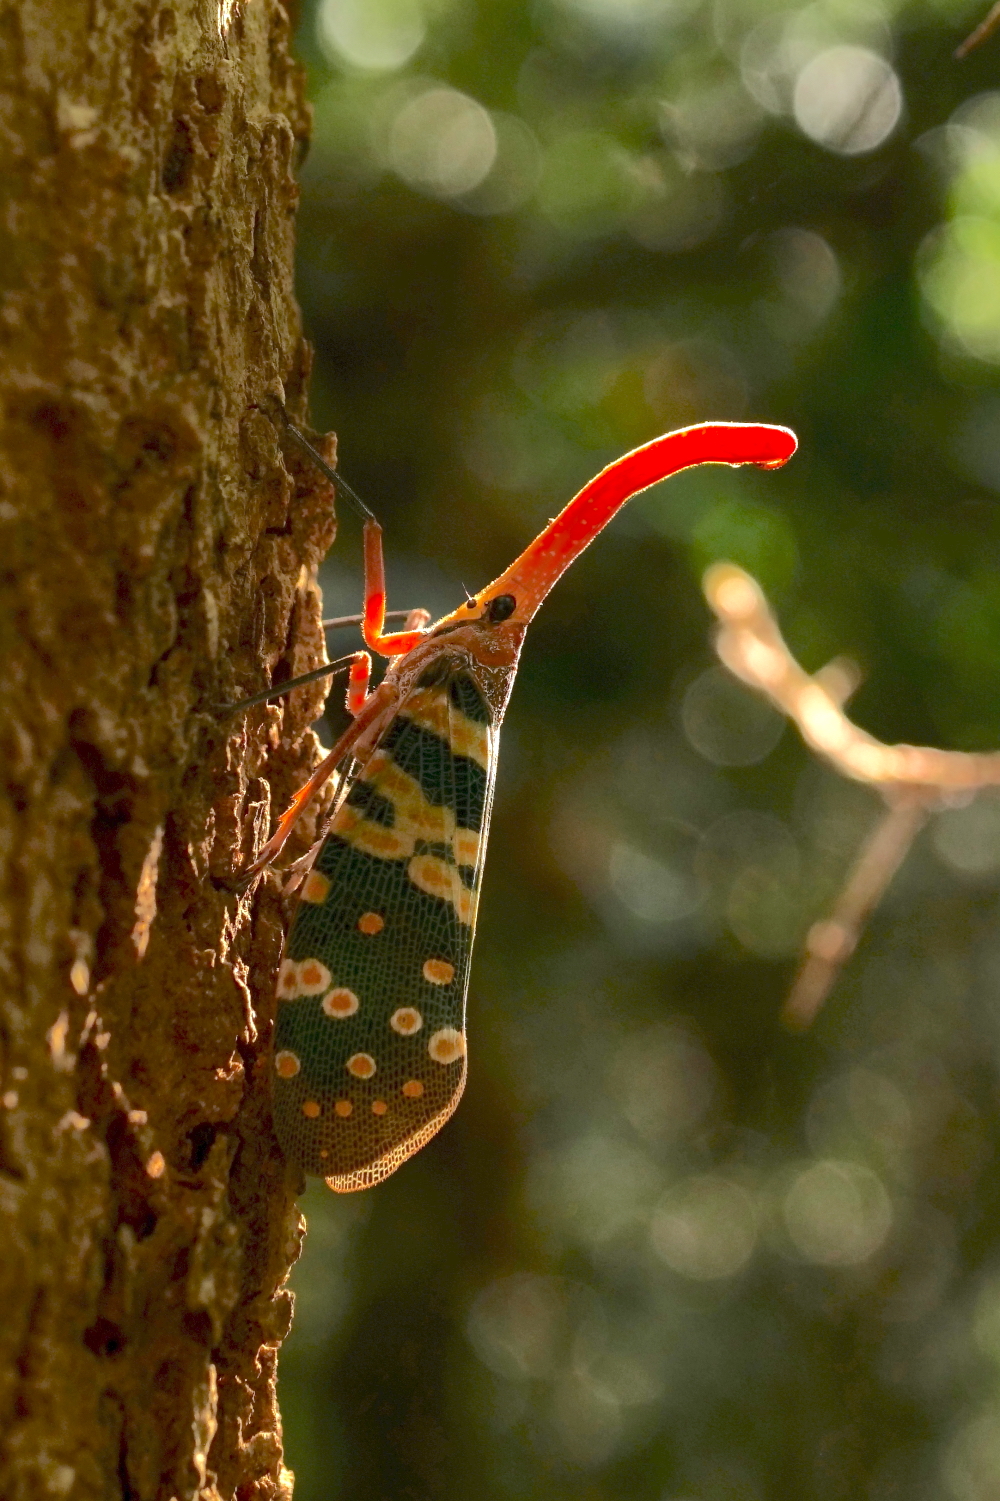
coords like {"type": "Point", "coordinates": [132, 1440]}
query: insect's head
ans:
{"type": "Point", "coordinates": [491, 607]}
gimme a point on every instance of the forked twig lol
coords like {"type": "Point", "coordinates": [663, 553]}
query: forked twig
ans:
{"type": "Point", "coordinates": [914, 780]}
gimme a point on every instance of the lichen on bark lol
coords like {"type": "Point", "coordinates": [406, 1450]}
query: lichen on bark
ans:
{"type": "Point", "coordinates": [158, 559]}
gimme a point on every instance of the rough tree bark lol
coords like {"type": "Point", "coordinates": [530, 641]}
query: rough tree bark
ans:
{"type": "Point", "coordinates": [158, 558]}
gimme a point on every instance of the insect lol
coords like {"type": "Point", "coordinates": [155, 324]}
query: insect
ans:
{"type": "Point", "coordinates": [370, 1051]}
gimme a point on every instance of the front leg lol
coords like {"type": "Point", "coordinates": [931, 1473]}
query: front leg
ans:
{"type": "Point", "coordinates": [376, 712]}
{"type": "Point", "coordinates": [373, 620]}
{"type": "Point", "coordinates": [361, 666]}
{"type": "Point", "coordinates": [357, 683]}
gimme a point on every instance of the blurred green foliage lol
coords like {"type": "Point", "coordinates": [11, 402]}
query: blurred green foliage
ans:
{"type": "Point", "coordinates": [665, 1252]}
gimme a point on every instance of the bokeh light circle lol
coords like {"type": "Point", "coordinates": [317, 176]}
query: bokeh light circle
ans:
{"type": "Point", "coordinates": [972, 1461]}
{"type": "Point", "coordinates": [849, 99]}
{"type": "Point", "coordinates": [377, 36]}
{"type": "Point", "coordinates": [968, 839]}
{"type": "Point", "coordinates": [587, 183]}
{"type": "Point", "coordinates": [808, 281]}
{"type": "Point", "coordinates": [515, 1325]}
{"type": "Point", "coordinates": [442, 143]}
{"type": "Point", "coordinates": [705, 1228]}
{"type": "Point", "coordinates": [837, 1213]}
{"type": "Point", "coordinates": [623, 16]}
{"type": "Point", "coordinates": [513, 175]}
{"type": "Point", "coordinates": [727, 723]}
{"type": "Point", "coordinates": [653, 890]}
{"type": "Point", "coordinates": [665, 1082]}
{"type": "Point", "coordinates": [958, 274]}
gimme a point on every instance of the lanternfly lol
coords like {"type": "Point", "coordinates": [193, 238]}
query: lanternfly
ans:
{"type": "Point", "coordinates": [370, 1052]}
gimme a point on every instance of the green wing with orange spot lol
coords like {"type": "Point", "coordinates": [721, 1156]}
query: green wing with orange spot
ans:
{"type": "Point", "coordinates": [370, 1038]}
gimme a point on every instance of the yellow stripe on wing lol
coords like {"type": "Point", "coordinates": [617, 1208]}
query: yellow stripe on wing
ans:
{"type": "Point", "coordinates": [431, 709]}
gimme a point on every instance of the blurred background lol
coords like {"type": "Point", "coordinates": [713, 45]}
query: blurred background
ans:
{"type": "Point", "coordinates": [667, 1251]}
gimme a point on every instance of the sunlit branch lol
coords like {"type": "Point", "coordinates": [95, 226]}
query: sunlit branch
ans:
{"type": "Point", "coordinates": [831, 941]}
{"type": "Point", "coordinates": [751, 646]}
{"type": "Point", "coordinates": [914, 780]}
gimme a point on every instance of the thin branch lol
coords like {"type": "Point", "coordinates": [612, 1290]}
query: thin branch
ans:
{"type": "Point", "coordinates": [751, 646]}
{"type": "Point", "coordinates": [980, 33]}
{"type": "Point", "coordinates": [831, 941]}
{"type": "Point", "coordinates": [915, 781]}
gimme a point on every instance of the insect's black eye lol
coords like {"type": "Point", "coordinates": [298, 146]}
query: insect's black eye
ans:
{"type": "Point", "coordinates": [501, 608]}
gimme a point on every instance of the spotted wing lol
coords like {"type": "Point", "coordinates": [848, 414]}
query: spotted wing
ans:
{"type": "Point", "coordinates": [370, 1037]}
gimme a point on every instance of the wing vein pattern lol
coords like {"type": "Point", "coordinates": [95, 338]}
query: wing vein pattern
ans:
{"type": "Point", "coordinates": [370, 1056]}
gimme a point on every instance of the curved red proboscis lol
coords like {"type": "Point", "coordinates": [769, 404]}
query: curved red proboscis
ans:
{"type": "Point", "coordinates": [530, 577]}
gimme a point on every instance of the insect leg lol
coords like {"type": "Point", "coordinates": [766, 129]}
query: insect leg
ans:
{"type": "Point", "coordinates": [382, 701]}
{"type": "Point", "coordinates": [361, 667]}
{"type": "Point", "coordinates": [357, 683]}
{"type": "Point", "coordinates": [374, 617]}
{"type": "Point", "coordinates": [333, 475]}
{"type": "Point", "coordinates": [329, 669]}
{"type": "Point", "coordinates": [408, 615]}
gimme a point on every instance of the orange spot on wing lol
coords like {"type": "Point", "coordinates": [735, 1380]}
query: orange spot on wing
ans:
{"type": "Point", "coordinates": [343, 1108]}
{"type": "Point", "coordinates": [314, 977]}
{"type": "Point", "coordinates": [379, 1107]}
{"type": "Point", "coordinates": [387, 843]}
{"type": "Point", "coordinates": [406, 1020]}
{"type": "Point", "coordinates": [311, 1109]}
{"type": "Point", "coordinates": [286, 1065]}
{"type": "Point", "coordinates": [361, 1065]}
{"type": "Point", "coordinates": [369, 837]}
{"type": "Point", "coordinates": [439, 971]}
{"type": "Point", "coordinates": [431, 874]}
{"type": "Point", "coordinates": [465, 843]}
{"type": "Point", "coordinates": [413, 1089]}
{"type": "Point", "coordinates": [470, 739]}
{"type": "Point", "coordinates": [315, 887]}
{"type": "Point", "coordinates": [438, 878]}
{"type": "Point", "coordinates": [339, 1003]}
{"type": "Point", "coordinates": [371, 923]}
{"type": "Point", "coordinates": [288, 979]}
{"type": "Point", "coordinates": [446, 1045]}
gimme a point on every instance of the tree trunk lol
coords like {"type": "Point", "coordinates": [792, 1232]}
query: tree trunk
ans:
{"type": "Point", "coordinates": [158, 560]}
